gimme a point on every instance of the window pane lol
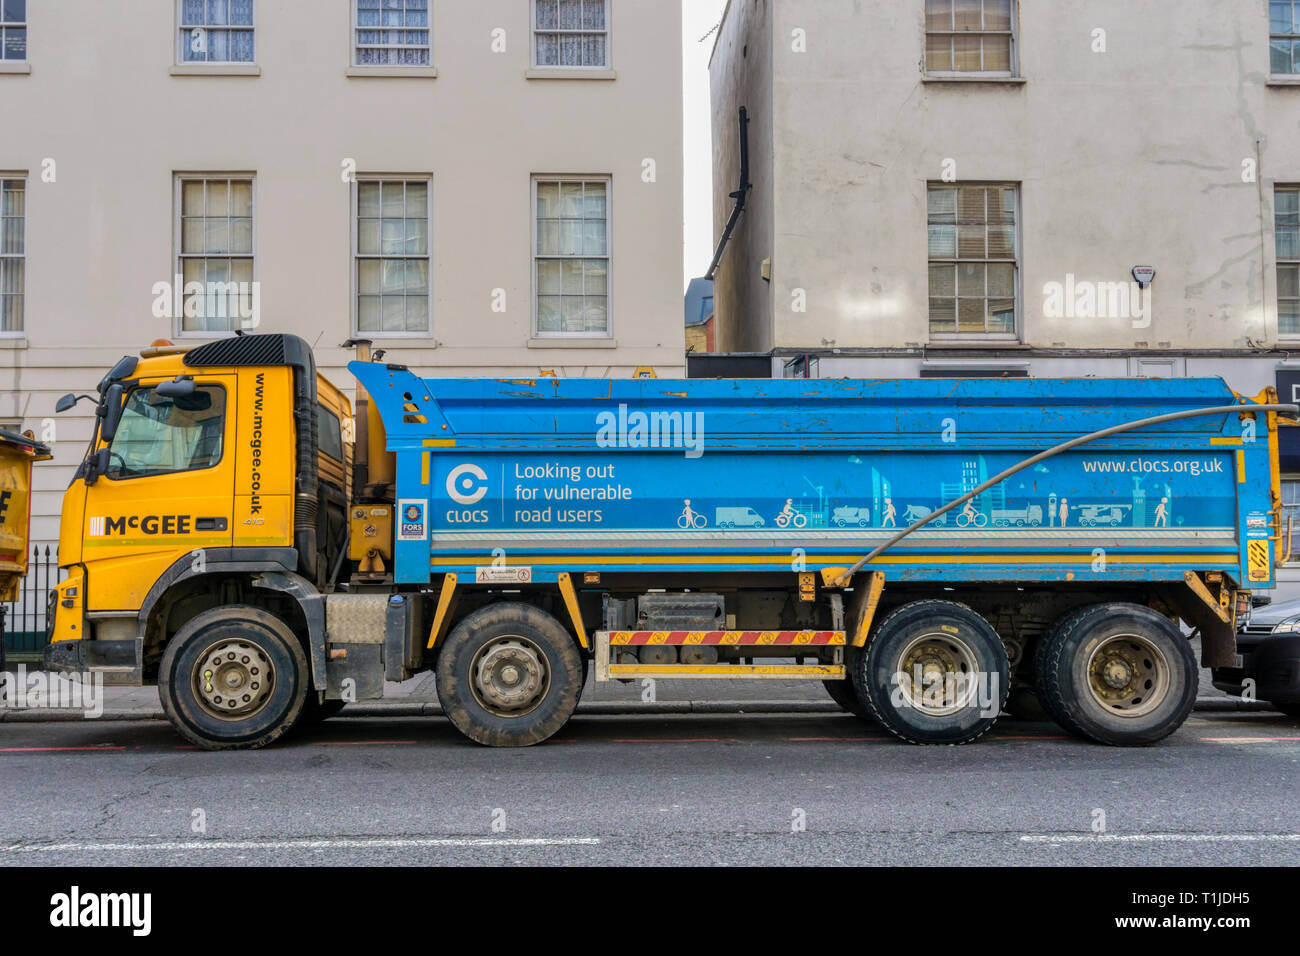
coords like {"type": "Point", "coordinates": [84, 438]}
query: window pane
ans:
{"type": "Point", "coordinates": [394, 276]}
{"type": "Point", "coordinates": [368, 271]}
{"type": "Point", "coordinates": [938, 53]}
{"type": "Point", "coordinates": [548, 17]}
{"type": "Point", "coordinates": [571, 204]}
{"type": "Point", "coordinates": [394, 200]}
{"type": "Point", "coordinates": [1280, 61]}
{"type": "Point", "coordinates": [972, 206]}
{"type": "Point", "coordinates": [368, 243]}
{"type": "Point", "coordinates": [1002, 281]}
{"type": "Point", "coordinates": [593, 14]}
{"type": "Point", "coordinates": [997, 54]}
{"type": "Point", "coordinates": [218, 199]}
{"type": "Point", "coordinates": [943, 205]}
{"type": "Point", "coordinates": [548, 238]}
{"type": "Point", "coordinates": [572, 281]}
{"type": "Point", "coordinates": [393, 313]}
{"type": "Point", "coordinates": [997, 14]}
{"type": "Point", "coordinates": [417, 200]}
{"type": "Point", "coordinates": [596, 314]}
{"type": "Point", "coordinates": [1002, 242]}
{"type": "Point", "coordinates": [971, 280]}
{"type": "Point", "coordinates": [192, 235]}
{"type": "Point", "coordinates": [1288, 318]}
{"type": "Point", "coordinates": [417, 237]}
{"type": "Point", "coordinates": [966, 54]}
{"type": "Point", "coordinates": [548, 200]}
{"type": "Point", "coordinates": [217, 236]}
{"type": "Point", "coordinates": [548, 313]}
{"type": "Point", "coordinates": [393, 237]}
{"type": "Point", "coordinates": [241, 12]}
{"type": "Point", "coordinates": [966, 15]}
{"type": "Point", "coordinates": [241, 235]}
{"type": "Point", "coordinates": [548, 277]}
{"type": "Point", "coordinates": [15, 11]}
{"type": "Point", "coordinates": [938, 14]}
{"type": "Point", "coordinates": [970, 242]}
{"type": "Point", "coordinates": [570, 14]}
{"type": "Point", "coordinates": [1288, 242]}
{"type": "Point", "coordinates": [1002, 316]}
{"type": "Point", "coordinates": [241, 198]}
{"type": "Point", "coordinates": [943, 242]}
{"type": "Point", "coordinates": [192, 13]}
{"type": "Point", "coordinates": [218, 12]}
{"type": "Point", "coordinates": [368, 313]}
{"type": "Point", "coordinates": [1288, 282]}
{"type": "Point", "coordinates": [943, 281]}
{"type": "Point", "coordinates": [1286, 202]}
{"type": "Point", "coordinates": [417, 313]}
{"type": "Point", "coordinates": [943, 315]}
{"type": "Point", "coordinates": [1279, 17]}
{"type": "Point", "coordinates": [593, 240]}
{"type": "Point", "coordinates": [15, 43]}
{"type": "Point", "coordinates": [11, 275]}
{"type": "Point", "coordinates": [417, 277]}
{"type": "Point", "coordinates": [368, 200]}
{"type": "Point", "coordinates": [970, 315]}
{"type": "Point", "coordinates": [596, 276]}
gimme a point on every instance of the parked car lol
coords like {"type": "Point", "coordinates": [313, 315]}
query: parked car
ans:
{"type": "Point", "coordinates": [1268, 652]}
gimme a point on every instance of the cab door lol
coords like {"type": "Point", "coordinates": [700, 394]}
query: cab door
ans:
{"type": "Point", "coordinates": [168, 491]}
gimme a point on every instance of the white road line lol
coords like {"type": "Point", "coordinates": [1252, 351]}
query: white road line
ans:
{"type": "Point", "coordinates": [1162, 838]}
{"type": "Point", "coordinates": [306, 844]}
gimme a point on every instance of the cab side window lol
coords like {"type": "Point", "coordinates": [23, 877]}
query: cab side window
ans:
{"type": "Point", "coordinates": [330, 433]}
{"type": "Point", "coordinates": [160, 436]}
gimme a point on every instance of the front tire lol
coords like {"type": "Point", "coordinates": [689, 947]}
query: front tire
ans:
{"type": "Point", "coordinates": [961, 663]}
{"type": "Point", "coordinates": [509, 675]}
{"type": "Point", "coordinates": [844, 692]}
{"type": "Point", "coordinates": [1118, 674]}
{"type": "Point", "coordinates": [233, 678]}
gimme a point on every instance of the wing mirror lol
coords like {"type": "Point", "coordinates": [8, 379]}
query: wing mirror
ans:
{"type": "Point", "coordinates": [112, 413]}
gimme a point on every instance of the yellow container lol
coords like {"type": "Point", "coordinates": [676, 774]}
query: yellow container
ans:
{"type": "Point", "coordinates": [17, 452]}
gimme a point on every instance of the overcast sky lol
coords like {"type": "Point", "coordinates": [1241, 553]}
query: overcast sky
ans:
{"type": "Point", "coordinates": [698, 18]}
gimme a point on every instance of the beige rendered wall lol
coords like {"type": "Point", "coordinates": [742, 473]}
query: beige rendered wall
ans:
{"type": "Point", "coordinates": [740, 74]}
{"type": "Point", "coordinates": [1125, 157]}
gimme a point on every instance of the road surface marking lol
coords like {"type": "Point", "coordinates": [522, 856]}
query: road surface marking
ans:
{"type": "Point", "coordinates": [360, 843]}
{"type": "Point", "coordinates": [675, 740]}
{"type": "Point", "coordinates": [1162, 838]}
{"type": "Point", "coordinates": [1247, 740]}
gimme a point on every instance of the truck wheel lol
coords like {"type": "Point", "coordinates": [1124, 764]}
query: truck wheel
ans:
{"type": "Point", "coordinates": [962, 667]}
{"type": "Point", "coordinates": [509, 675]}
{"type": "Point", "coordinates": [233, 678]}
{"type": "Point", "coordinates": [844, 692]}
{"type": "Point", "coordinates": [1119, 674]}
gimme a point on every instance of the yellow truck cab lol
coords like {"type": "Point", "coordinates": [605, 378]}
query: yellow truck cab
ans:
{"type": "Point", "coordinates": [217, 476]}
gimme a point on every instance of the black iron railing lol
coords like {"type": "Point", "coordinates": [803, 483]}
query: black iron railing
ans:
{"type": "Point", "coordinates": [25, 618]}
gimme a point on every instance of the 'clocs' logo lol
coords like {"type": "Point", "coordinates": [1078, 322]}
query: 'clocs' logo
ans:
{"type": "Point", "coordinates": [467, 485]}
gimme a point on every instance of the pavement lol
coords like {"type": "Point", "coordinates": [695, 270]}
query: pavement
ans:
{"type": "Point", "coordinates": [419, 698]}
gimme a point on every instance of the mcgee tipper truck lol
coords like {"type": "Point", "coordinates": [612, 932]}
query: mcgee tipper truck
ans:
{"type": "Point", "coordinates": [510, 536]}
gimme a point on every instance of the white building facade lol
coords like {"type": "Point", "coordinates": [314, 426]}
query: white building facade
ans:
{"type": "Point", "coordinates": [481, 187]}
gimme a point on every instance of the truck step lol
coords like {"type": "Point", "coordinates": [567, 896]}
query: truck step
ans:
{"type": "Point", "coordinates": [688, 671]}
{"type": "Point", "coordinates": [725, 638]}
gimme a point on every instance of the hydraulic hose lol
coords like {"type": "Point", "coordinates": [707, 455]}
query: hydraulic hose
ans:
{"type": "Point", "coordinates": [1289, 410]}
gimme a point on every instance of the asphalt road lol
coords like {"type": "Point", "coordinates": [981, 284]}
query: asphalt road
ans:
{"type": "Point", "coordinates": [651, 790]}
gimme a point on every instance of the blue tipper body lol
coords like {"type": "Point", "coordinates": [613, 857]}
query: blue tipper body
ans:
{"type": "Point", "coordinates": [547, 476]}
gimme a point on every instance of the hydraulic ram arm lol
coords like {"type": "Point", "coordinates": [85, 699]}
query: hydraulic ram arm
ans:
{"type": "Point", "coordinates": [1289, 410]}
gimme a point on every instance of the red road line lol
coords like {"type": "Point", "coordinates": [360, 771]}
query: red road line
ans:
{"type": "Point", "coordinates": [35, 750]}
{"type": "Point", "coordinates": [1247, 740]}
{"type": "Point", "coordinates": [833, 740]}
{"type": "Point", "coordinates": [1029, 737]}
